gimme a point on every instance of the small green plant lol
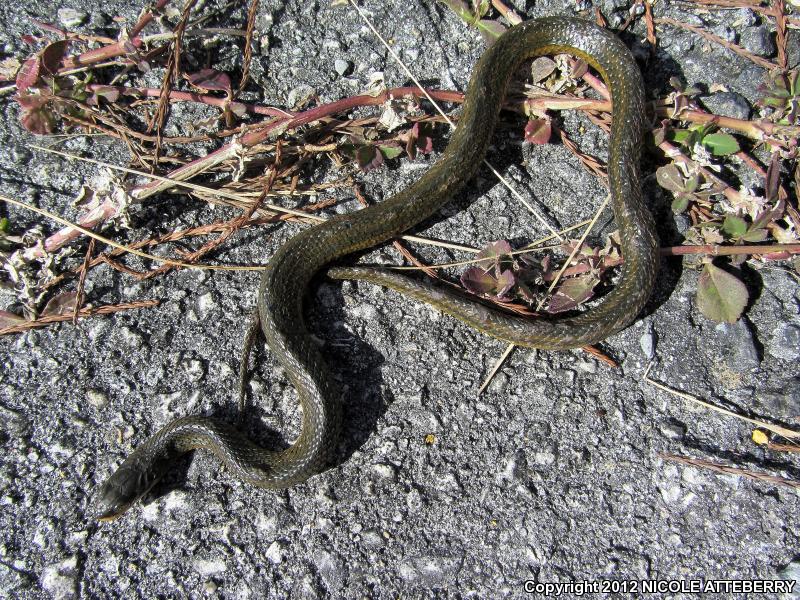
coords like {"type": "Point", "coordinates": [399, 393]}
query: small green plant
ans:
{"type": "Point", "coordinates": [781, 95]}
{"type": "Point", "coordinates": [370, 153]}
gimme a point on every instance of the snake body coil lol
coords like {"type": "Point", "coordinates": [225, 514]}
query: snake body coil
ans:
{"type": "Point", "coordinates": [287, 278]}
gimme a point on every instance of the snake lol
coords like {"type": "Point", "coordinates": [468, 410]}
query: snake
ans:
{"type": "Point", "coordinates": [288, 275]}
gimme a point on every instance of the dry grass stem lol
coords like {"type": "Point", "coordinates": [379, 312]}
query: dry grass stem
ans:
{"type": "Point", "coordinates": [776, 429]}
{"type": "Point", "coordinates": [729, 470]}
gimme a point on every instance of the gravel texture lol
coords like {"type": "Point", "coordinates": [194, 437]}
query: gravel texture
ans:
{"type": "Point", "coordinates": [552, 475]}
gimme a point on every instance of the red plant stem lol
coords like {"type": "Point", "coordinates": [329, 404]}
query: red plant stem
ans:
{"type": "Point", "coordinates": [177, 96]}
{"type": "Point", "coordinates": [278, 126]}
{"type": "Point", "coordinates": [99, 54]}
{"type": "Point", "coordinates": [108, 209]}
{"type": "Point", "coordinates": [146, 17]}
{"type": "Point", "coordinates": [715, 250]}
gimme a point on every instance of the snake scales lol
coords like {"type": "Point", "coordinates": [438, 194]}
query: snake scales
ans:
{"type": "Point", "coordinates": [285, 281]}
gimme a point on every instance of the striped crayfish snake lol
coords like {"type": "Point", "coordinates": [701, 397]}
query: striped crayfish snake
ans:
{"type": "Point", "coordinates": [285, 281]}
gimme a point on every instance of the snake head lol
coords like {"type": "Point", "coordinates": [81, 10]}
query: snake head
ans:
{"type": "Point", "coordinates": [132, 480]}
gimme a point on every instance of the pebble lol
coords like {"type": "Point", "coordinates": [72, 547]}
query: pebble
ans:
{"type": "Point", "coordinates": [12, 421]}
{"type": "Point", "coordinates": [342, 67]}
{"type": "Point", "coordinates": [758, 41]}
{"type": "Point", "coordinates": [387, 472]}
{"type": "Point", "coordinates": [746, 17]}
{"type": "Point", "coordinates": [97, 398]}
{"type": "Point", "coordinates": [783, 400]}
{"type": "Point", "coordinates": [725, 32]}
{"type": "Point", "coordinates": [785, 342]}
{"type": "Point", "coordinates": [430, 571]}
{"type": "Point", "coordinates": [61, 580]}
{"type": "Point", "coordinates": [411, 54]}
{"type": "Point", "coordinates": [195, 369]}
{"type": "Point", "coordinates": [728, 104]}
{"type": "Point", "coordinates": [299, 95]}
{"type": "Point", "coordinates": [275, 553]}
{"type": "Point", "coordinates": [208, 566]}
{"type": "Point", "coordinates": [414, 500]}
{"type": "Point", "coordinates": [499, 383]}
{"type": "Point", "coordinates": [331, 569]}
{"type": "Point", "coordinates": [648, 343]}
{"type": "Point", "coordinates": [673, 429]}
{"type": "Point", "coordinates": [682, 223]}
{"type": "Point", "coordinates": [372, 539]}
{"type": "Point", "coordinates": [205, 304]}
{"type": "Point", "coordinates": [670, 493]}
{"type": "Point", "coordinates": [738, 347]}
{"type": "Point", "coordinates": [69, 17]}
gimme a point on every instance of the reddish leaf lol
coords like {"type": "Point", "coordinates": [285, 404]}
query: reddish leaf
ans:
{"type": "Point", "coordinates": [505, 282]}
{"type": "Point", "coordinates": [368, 158]}
{"type": "Point", "coordinates": [572, 292]}
{"type": "Point", "coordinates": [52, 56]}
{"type": "Point", "coordinates": [417, 140]}
{"type": "Point", "coordinates": [478, 281]}
{"type": "Point", "coordinates": [538, 131]}
{"type": "Point", "coordinates": [210, 79]}
{"type": "Point", "coordinates": [238, 109]}
{"type": "Point", "coordinates": [580, 69]}
{"type": "Point", "coordinates": [492, 253]}
{"type": "Point", "coordinates": [541, 68]}
{"type": "Point", "coordinates": [28, 74]}
{"type": "Point", "coordinates": [62, 304]}
{"type": "Point", "coordinates": [9, 319]}
{"type": "Point", "coordinates": [773, 179]}
{"type": "Point", "coordinates": [670, 178]}
{"type": "Point", "coordinates": [108, 93]}
{"type": "Point", "coordinates": [40, 120]}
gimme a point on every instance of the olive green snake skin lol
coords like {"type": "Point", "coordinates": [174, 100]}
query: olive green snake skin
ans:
{"type": "Point", "coordinates": [286, 280]}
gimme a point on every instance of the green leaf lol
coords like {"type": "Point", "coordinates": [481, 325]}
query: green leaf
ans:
{"type": "Point", "coordinates": [691, 184]}
{"type": "Point", "coordinates": [720, 296]}
{"type": "Point", "coordinates": [681, 136]}
{"type": "Point", "coordinates": [680, 204]}
{"type": "Point", "coordinates": [391, 151]}
{"type": "Point", "coordinates": [734, 226]}
{"type": "Point", "coordinates": [721, 144]}
{"type": "Point", "coordinates": [755, 235]}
